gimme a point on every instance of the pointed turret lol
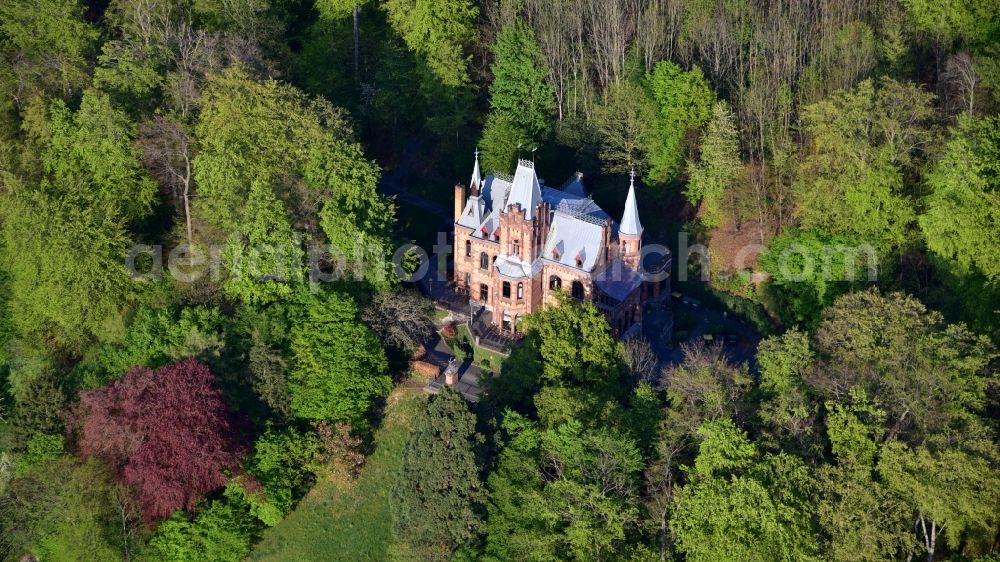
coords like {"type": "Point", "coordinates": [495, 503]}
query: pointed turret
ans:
{"type": "Point", "coordinates": [525, 189]}
{"type": "Point", "coordinates": [630, 225]}
{"type": "Point", "coordinates": [476, 183]}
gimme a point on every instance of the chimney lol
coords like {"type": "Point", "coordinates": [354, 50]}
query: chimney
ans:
{"type": "Point", "coordinates": [459, 200]}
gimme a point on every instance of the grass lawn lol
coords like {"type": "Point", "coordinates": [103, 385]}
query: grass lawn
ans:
{"type": "Point", "coordinates": [343, 520]}
{"type": "Point", "coordinates": [492, 358]}
{"type": "Point", "coordinates": [440, 314]}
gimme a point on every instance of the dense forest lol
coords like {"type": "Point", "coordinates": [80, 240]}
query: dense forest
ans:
{"type": "Point", "coordinates": [201, 327]}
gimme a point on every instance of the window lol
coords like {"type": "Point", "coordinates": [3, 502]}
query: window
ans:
{"type": "Point", "coordinates": [484, 292]}
{"type": "Point", "coordinates": [520, 291]}
{"type": "Point", "coordinates": [506, 289]}
{"type": "Point", "coordinates": [468, 247]}
{"type": "Point", "coordinates": [468, 279]}
{"type": "Point", "coordinates": [577, 290]}
{"type": "Point", "coordinates": [517, 248]}
{"type": "Point", "coordinates": [555, 282]}
{"type": "Point", "coordinates": [484, 261]}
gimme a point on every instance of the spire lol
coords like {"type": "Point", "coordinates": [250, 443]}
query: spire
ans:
{"type": "Point", "coordinates": [477, 179]}
{"type": "Point", "coordinates": [630, 225]}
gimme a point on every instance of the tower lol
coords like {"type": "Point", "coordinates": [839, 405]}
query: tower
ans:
{"type": "Point", "coordinates": [630, 230]}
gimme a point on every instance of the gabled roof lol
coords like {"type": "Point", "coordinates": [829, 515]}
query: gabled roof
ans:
{"type": "Point", "coordinates": [525, 189]}
{"type": "Point", "coordinates": [573, 237]}
{"type": "Point", "coordinates": [474, 212]}
{"type": "Point", "coordinates": [630, 225]}
{"type": "Point", "coordinates": [495, 190]}
{"type": "Point", "coordinates": [489, 225]}
{"type": "Point", "coordinates": [510, 266]}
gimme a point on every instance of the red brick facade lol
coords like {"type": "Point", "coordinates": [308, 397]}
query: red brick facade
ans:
{"type": "Point", "coordinates": [513, 291]}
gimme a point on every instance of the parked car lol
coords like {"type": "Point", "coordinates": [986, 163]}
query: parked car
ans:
{"type": "Point", "coordinates": [691, 303]}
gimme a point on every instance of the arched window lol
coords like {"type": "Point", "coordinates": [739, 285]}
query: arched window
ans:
{"type": "Point", "coordinates": [484, 261]}
{"type": "Point", "coordinates": [520, 291]}
{"type": "Point", "coordinates": [468, 247]}
{"type": "Point", "coordinates": [577, 290]}
{"type": "Point", "coordinates": [555, 282]}
{"type": "Point", "coordinates": [506, 289]}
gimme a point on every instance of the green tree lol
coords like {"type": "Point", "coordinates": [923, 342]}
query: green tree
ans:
{"type": "Point", "coordinates": [68, 279]}
{"type": "Point", "coordinates": [590, 358]}
{"type": "Point", "coordinates": [860, 518]}
{"type": "Point", "coordinates": [92, 152]}
{"type": "Point", "coordinates": [64, 236]}
{"type": "Point", "coordinates": [683, 102]}
{"type": "Point", "coordinates": [338, 366]}
{"type": "Point", "coordinates": [64, 509]}
{"type": "Point", "coordinates": [787, 412]}
{"type": "Point", "coordinates": [284, 464]}
{"type": "Point", "coordinates": [220, 531]}
{"type": "Point", "coordinates": [625, 120]}
{"type": "Point", "coordinates": [970, 21]}
{"type": "Point", "coordinates": [808, 269]}
{"type": "Point", "coordinates": [502, 142]}
{"type": "Point", "coordinates": [950, 492]}
{"type": "Point", "coordinates": [894, 349]}
{"type": "Point", "coordinates": [850, 181]}
{"type": "Point", "coordinates": [438, 497]}
{"type": "Point", "coordinates": [438, 31]}
{"type": "Point", "coordinates": [962, 218]}
{"type": "Point", "coordinates": [299, 156]}
{"type": "Point", "coordinates": [520, 89]}
{"type": "Point", "coordinates": [47, 44]}
{"type": "Point", "coordinates": [265, 259]}
{"type": "Point", "coordinates": [741, 505]}
{"type": "Point", "coordinates": [718, 166]}
{"type": "Point", "coordinates": [704, 387]}
{"type": "Point", "coordinates": [563, 494]}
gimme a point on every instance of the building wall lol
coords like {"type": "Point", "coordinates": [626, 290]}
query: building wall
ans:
{"type": "Point", "coordinates": [470, 264]}
{"type": "Point", "coordinates": [537, 292]}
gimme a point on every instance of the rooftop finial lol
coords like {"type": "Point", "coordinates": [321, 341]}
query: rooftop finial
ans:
{"type": "Point", "coordinates": [477, 178]}
{"type": "Point", "coordinates": [630, 225]}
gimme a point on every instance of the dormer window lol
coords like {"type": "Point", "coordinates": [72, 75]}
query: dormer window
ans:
{"type": "Point", "coordinates": [496, 234]}
{"type": "Point", "coordinates": [579, 262]}
{"type": "Point", "coordinates": [555, 254]}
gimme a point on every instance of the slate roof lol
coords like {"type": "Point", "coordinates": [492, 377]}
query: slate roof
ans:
{"type": "Point", "coordinates": [618, 280]}
{"type": "Point", "coordinates": [573, 237]}
{"type": "Point", "coordinates": [577, 222]}
{"type": "Point", "coordinates": [510, 266]}
{"type": "Point", "coordinates": [525, 189]}
{"type": "Point", "coordinates": [630, 225]}
{"type": "Point", "coordinates": [574, 185]}
{"type": "Point", "coordinates": [474, 213]}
